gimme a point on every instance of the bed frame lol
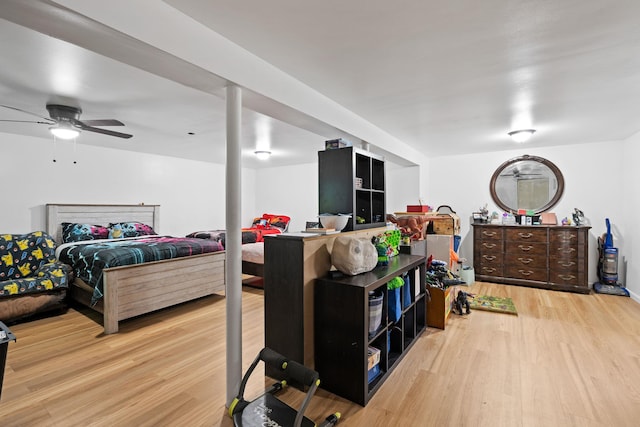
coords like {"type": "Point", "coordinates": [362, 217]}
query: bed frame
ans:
{"type": "Point", "coordinates": [252, 269]}
{"type": "Point", "coordinates": [138, 289]}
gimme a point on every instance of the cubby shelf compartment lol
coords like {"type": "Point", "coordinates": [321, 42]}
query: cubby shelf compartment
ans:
{"type": "Point", "coordinates": [338, 193]}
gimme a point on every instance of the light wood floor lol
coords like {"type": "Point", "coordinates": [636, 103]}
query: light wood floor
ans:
{"type": "Point", "coordinates": [565, 360]}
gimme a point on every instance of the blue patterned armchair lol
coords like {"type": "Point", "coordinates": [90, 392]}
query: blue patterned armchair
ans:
{"type": "Point", "coordinates": [31, 279]}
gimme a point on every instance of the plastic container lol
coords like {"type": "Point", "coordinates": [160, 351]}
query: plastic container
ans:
{"type": "Point", "coordinates": [5, 337]}
{"type": "Point", "coordinates": [375, 311]}
{"type": "Point", "coordinates": [467, 274]}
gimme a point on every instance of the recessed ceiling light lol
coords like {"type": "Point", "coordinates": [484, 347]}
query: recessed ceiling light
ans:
{"type": "Point", "coordinates": [522, 135]}
{"type": "Point", "coordinates": [262, 154]}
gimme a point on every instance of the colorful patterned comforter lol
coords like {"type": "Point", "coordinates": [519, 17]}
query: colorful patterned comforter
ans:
{"type": "Point", "coordinates": [89, 258]}
{"type": "Point", "coordinates": [249, 235]}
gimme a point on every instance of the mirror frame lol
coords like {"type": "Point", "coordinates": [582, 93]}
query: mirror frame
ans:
{"type": "Point", "coordinates": [547, 163]}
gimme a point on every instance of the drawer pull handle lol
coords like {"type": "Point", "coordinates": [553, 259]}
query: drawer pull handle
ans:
{"type": "Point", "coordinates": [488, 270]}
{"type": "Point", "coordinates": [525, 260]}
{"type": "Point", "coordinates": [525, 235]}
{"type": "Point", "coordinates": [526, 272]}
{"type": "Point", "coordinates": [566, 264]}
{"type": "Point", "coordinates": [489, 257]}
{"type": "Point", "coordinates": [568, 277]}
{"type": "Point", "coordinates": [489, 245]}
{"type": "Point", "coordinates": [567, 238]}
{"type": "Point", "coordinates": [489, 233]}
{"type": "Point", "coordinates": [525, 248]}
{"type": "Point", "coordinates": [567, 250]}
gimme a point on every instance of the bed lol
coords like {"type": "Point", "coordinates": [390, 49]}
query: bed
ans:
{"type": "Point", "coordinates": [252, 240]}
{"type": "Point", "coordinates": [133, 290]}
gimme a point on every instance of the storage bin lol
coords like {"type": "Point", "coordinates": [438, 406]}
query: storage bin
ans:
{"type": "Point", "coordinates": [375, 311]}
{"type": "Point", "coordinates": [418, 208]}
{"type": "Point", "coordinates": [439, 307]}
{"type": "Point", "coordinates": [373, 357]}
{"type": "Point", "coordinates": [468, 275]}
{"type": "Point", "coordinates": [373, 373]}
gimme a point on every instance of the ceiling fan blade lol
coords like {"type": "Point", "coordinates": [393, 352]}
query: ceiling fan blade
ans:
{"type": "Point", "coordinates": [27, 121]}
{"type": "Point", "coordinates": [103, 122]}
{"type": "Point", "coordinates": [48, 121]}
{"type": "Point", "coordinates": [102, 131]}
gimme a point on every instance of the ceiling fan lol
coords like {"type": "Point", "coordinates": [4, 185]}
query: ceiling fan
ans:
{"type": "Point", "coordinates": [516, 173]}
{"type": "Point", "coordinates": [65, 123]}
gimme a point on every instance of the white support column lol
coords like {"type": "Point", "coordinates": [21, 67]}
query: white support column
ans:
{"type": "Point", "coordinates": [233, 273]}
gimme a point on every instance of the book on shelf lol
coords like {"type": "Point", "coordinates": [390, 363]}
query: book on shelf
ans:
{"type": "Point", "coordinates": [320, 230]}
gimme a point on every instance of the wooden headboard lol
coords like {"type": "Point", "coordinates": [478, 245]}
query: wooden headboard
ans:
{"type": "Point", "coordinates": [99, 215]}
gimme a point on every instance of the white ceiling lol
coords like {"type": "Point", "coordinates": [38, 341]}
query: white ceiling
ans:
{"type": "Point", "coordinates": [443, 77]}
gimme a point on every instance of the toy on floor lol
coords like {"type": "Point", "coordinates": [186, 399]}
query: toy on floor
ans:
{"type": "Point", "coordinates": [461, 302]}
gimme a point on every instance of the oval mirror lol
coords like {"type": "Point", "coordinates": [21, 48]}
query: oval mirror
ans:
{"type": "Point", "coordinates": [526, 182]}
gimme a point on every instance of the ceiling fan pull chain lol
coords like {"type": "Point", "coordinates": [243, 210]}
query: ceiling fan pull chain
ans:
{"type": "Point", "coordinates": [55, 149]}
{"type": "Point", "coordinates": [75, 150]}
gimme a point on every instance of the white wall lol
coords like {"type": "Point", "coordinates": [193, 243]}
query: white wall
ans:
{"type": "Point", "coordinates": [403, 187]}
{"type": "Point", "coordinates": [629, 231]}
{"type": "Point", "coordinates": [293, 191]}
{"type": "Point", "coordinates": [191, 194]}
{"type": "Point", "coordinates": [592, 184]}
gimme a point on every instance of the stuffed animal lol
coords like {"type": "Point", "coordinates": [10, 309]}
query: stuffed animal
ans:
{"type": "Point", "coordinates": [412, 226]}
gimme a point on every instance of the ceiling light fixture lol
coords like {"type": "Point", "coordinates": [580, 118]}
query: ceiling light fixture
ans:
{"type": "Point", "coordinates": [64, 131]}
{"type": "Point", "coordinates": [522, 135]}
{"type": "Point", "coordinates": [262, 154]}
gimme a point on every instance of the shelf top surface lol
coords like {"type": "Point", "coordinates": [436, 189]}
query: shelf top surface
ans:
{"type": "Point", "coordinates": [380, 274]}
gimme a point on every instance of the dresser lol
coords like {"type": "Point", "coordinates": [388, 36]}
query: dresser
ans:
{"type": "Point", "coordinates": [550, 257]}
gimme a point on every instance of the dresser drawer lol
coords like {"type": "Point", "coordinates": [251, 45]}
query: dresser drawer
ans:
{"type": "Point", "coordinates": [489, 270]}
{"type": "Point", "coordinates": [566, 277]}
{"type": "Point", "coordinates": [490, 258]}
{"type": "Point", "coordinates": [489, 246]}
{"type": "Point", "coordinates": [563, 263]}
{"type": "Point", "coordinates": [526, 273]}
{"type": "Point", "coordinates": [526, 234]}
{"type": "Point", "coordinates": [560, 237]}
{"type": "Point", "coordinates": [565, 251]}
{"type": "Point", "coordinates": [526, 260]}
{"type": "Point", "coordinates": [526, 248]}
{"type": "Point", "coordinates": [488, 233]}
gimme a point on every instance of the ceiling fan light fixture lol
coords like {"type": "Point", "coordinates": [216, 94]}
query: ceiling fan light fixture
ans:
{"type": "Point", "coordinates": [262, 154]}
{"type": "Point", "coordinates": [522, 135]}
{"type": "Point", "coordinates": [64, 132]}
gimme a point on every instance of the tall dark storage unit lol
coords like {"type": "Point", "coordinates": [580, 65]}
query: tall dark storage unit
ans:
{"type": "Point", "coordinates": [337, 173]}
{"type": "Point", "coordinates": [342, 332]}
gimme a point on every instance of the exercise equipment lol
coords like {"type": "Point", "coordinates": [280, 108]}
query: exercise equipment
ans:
{"type": "Point", "coordinates": [608, 266]}
{"type": "Point", "coordinates": [268, 410]}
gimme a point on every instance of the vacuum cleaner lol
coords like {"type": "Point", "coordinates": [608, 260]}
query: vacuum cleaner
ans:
{"type": "Point", "coordinates": [608, 266]}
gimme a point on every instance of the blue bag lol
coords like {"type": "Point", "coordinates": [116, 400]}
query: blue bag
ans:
{"type": "Point", "coordinates": [406, 292]}
{"type": "Point", "coordinates": [393, 291]}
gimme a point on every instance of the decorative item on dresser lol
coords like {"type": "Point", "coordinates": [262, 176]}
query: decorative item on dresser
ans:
{"type": "Point", "coordinates": [550, 257]}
